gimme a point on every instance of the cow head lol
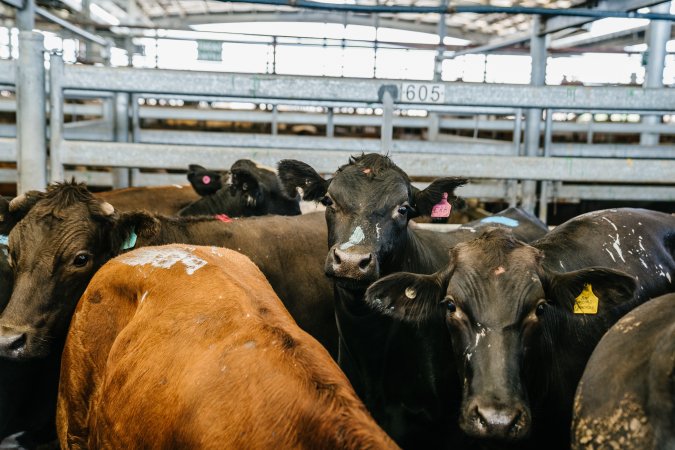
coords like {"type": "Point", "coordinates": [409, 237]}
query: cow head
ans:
{"type": "Point", "coordinates": [57, 241]}
{"type": "Point", "coordinates": [501, 307]}
{"type": "Point", "coordinates": [369, 202]}
{"type": "Point", "coordinates": [205, 182]}
{"type": "Point", "coordinates": [254, 191]}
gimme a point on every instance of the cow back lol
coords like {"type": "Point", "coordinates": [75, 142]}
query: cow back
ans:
{"type": "Point", "coordinates": [157, 199]}
{"type": "Point", "coordinates": [194, 341]}
{"type": "Point", "coordinates": [626, 397]}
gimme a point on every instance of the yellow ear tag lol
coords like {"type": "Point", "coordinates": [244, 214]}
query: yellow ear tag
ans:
{"type": "Point", "coordinates": [586, 302]}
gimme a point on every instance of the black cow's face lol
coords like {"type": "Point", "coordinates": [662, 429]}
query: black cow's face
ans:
{"type": "Point", "coordinates": [500, 306]}
{"type": "Point", "coordinates": [54, 251]}
{"type": "Point", "coordinates": [368, 205]}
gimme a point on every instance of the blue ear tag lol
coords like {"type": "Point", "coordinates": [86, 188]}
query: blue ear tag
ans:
{"type": "Point", "coordinates": [131, 241]}
{"type": "Point", "coordinates": [501, 220]}
{"type": "Point", "coordinates": [4, 239]}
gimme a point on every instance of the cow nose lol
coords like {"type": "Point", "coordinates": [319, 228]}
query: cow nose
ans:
{"type": "Point", "coordinates": [11, 341]}
{"type": "Point", "coordinates": [358, 266]}
{"type": "Point", "coordinates": [500, 422]}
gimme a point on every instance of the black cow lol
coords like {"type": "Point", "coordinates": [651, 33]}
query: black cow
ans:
{"type": "Point", "coordinates": [204, 181]}
{"type": "Point", "coordinates": [254, 191]}
{"type": "Point", "coordinates": [626, 396]}
{"type": "Point", "coordinates": [369, 202]}
{"type": "Point", "coordinates": [59, 238]}
{"type": "Point", "coordinates": [518, 347]}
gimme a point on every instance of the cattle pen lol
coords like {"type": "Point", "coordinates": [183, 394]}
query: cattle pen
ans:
{"type": "Point", "coordinates": [366, 156]}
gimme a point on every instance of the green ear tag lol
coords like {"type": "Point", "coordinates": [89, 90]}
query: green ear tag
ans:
{"type": "Point", "coordinates": [586, 302]}
{"type": "Point", "coordinates": [131, 241]}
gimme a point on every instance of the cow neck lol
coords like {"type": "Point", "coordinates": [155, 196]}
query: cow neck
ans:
{"type": "Point", "coordinates": [425, 252]}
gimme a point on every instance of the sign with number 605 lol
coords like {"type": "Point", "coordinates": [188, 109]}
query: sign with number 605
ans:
{"type": "Point", "coordinates": [422, 93]}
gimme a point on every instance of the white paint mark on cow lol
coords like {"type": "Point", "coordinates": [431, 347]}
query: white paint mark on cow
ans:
{"type": "Point", "coordinates": [617, 247]}
{"type": "Point", "coordinates": [178, 186]}
{"type": "Point", "coordinates": [644, 263]}
{"type": "Point", "coordinates": [356, 238]}
{"type": "Point", "coordinates": [145, 294]}
{"type": "Point", "coordinates": [164, 258]}
{"type": "Point", "coordinates": [377, 231]}
{"type": "Point", "coordinates": [611, 223]}
{"type": "Point", "coordinates": [479, 336]}
{"type": "Point", "coordinates": [468, 356]}
{"type": "Point", "coordinates": [640, 244]}
{"type": "Point", "coordinates": [562, 266]}
{"type": "Point", "coordinates": [499, 270]}
{"type": "Point", "coordinates": [250, 344]}
{"type": "Point", "coordinates": [610, 254]}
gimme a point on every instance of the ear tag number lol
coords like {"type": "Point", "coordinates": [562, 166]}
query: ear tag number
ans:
{"type": "Point", "coordinates": [586, 302]}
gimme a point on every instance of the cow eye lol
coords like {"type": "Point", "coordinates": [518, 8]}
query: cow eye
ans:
{"type": "Point", "coordinates": [403, 210]}
{"type": "Point", "coordinates": [81, 259]}
{"type": "Point", "coordinates": [326, 201]}
{"type": "Point", "coordinates": [450, 304]}
{"type": "Point", "coordinates": [541, 307]}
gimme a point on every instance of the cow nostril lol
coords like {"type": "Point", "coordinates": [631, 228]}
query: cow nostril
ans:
{"type": "Point", "coordinates": [11, 342]}
{"type": "Point", "coordinates": [336, 257]}
{"type": "Point", "coordinates": [19, 342]}
{"type": "Point", "coordinates": [365, 262]}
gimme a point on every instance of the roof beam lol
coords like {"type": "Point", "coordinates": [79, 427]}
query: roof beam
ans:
{"type": "Point", "coordinates": [560, 23]}
{"type": "Point", "coordinates": [313, 16]}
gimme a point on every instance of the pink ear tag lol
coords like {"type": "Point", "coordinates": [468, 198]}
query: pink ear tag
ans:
{"type": "Point", "coordinates": [206, 179]}
{"type": "Point", "coordinates": [442, 209]}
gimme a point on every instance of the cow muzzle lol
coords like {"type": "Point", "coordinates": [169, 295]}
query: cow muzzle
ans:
{"type": "Point", "coordinates": [492, 420]}
{"type": "Point", "coordinates": [353, 264]}
{"type": "Point", "coordinates": [12, 343]}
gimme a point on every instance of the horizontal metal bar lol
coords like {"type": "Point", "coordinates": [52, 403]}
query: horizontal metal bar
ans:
{"type": "Point", "coordinates": [8, 149]}
{"type": "Point", "coordinates": [568, 192]}
{"type": "Point", "coordinates": [353, 145]}
{"type": "Point", "coordinates": [613, 151]}
{"type": "Point", "coordinates": [416, 164]}
{"type": "Point", "coordinates": [7, 72]}
{"type": "Point", "coordinates": [360, 90]}
{"type": "Point", "coordinates": [70, 27]}
{"type": "Point", "coordinates": [18, 4]}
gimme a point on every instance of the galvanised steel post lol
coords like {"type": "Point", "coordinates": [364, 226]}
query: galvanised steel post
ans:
{"type": "Point", "coordinates": [533, 121]}
{"type": "Point", "coordinates": [544, 193]}
{"type": "Point", "coordinates": [330, 123]}
{"type": "Point", "coordinates": [659, 34]}
{"type": "Point", "coordinates": [434, 123]}
{"type": "Point", "coordinates": [55, 117]}
{"type": "Point", "coordinates": [387, 131]}
{"type": "Point", "coordinates": [121, 174]}
{"type": "Point", "coordinates": [31, 104]}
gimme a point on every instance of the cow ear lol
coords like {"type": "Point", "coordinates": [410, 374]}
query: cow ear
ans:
{"type": "Point", "coordinates": [205, 182]}
{"type": "Point", "coordinates": [245, 181]}
{"type": "Point", "coordinates": [594, 288]}
{"type": "Point", "coordinates": [129, 226]}
{"type": "Point", "coordinates": [12, 211]}
{"type": "Point", "coordinates": [296, 174]}
{"type": "Point", "coordinates": [409, 297]}
{"type": "Point", "coordinates": [426, 199]}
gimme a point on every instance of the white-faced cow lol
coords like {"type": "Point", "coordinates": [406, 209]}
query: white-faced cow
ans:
{"type": "Point", "coordinates": [626, 396]}
{"type": "Point", "coordinates": [524, 319]}
{"type": "Point", "coordinates": [254, 191]}
{"type": "Point", "coordinates": [369, 203]}
{"type": "Point", "coordinates": [189, 347]}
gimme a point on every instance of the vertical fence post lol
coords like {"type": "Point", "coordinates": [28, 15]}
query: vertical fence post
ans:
{"type": "Point", "coordinates": [135, 136]}
{"type": "Point", "coordinates": [659, 34]}
{"type": "Point", "coordinates": [121, 174]}
{"type": "Point", "coordinates": [533, 123]}
{"type": "Point", "coordinates": [387, 132]}
{"type": "Point", "coordinates": [330, 123]}
{"type": "Point", "coordinates": [545, 185]}
{"type": "Point", "coordinates": [31, 104]}
{"type": "Point", "coordinates": [512, 185]}
{"type": "Point", "coordinates": [56, 101]}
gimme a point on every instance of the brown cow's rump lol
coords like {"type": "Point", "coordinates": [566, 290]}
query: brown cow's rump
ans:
{"type": "Point", "coordinates": [189, 347]}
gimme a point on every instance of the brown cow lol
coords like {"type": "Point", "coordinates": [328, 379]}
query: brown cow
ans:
{"type": "Point", "coordinates": [158, 199]}
{"type": "Point", "coordinates": [189, 347]}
